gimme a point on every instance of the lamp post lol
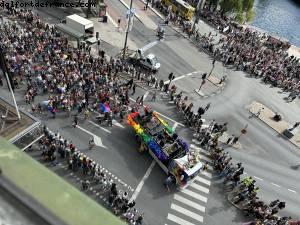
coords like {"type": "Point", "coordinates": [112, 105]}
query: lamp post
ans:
{"type": "Point", "coordinates": [127, 30]}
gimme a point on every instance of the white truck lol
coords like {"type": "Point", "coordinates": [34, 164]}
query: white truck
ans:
{"type": "Point", "coordinates": [149, 62]}
{"type": "Point", "coordinates": [80, 24]}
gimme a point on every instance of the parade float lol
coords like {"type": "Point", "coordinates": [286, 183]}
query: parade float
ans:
{"type": "Point", "coordinates": [171, 153]}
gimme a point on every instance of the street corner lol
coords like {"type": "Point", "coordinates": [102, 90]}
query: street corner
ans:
{"type": "Point", "coordinates": [224, 139]}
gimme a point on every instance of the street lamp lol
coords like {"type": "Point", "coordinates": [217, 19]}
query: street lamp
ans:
{"type": "Point", "coordinates": [127, 30]}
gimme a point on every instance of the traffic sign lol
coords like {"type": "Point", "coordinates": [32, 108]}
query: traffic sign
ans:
{"type": "Point", "coordinates": [130, 12]}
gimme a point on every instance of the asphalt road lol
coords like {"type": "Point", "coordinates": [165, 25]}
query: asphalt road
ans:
{"type": "Point", "coordinates": [265, 155]}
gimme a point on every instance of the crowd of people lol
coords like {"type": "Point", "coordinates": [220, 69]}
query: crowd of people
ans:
{"type": "Point", "coordinates": [259, 54]}
{"type": "Point", "coordinates": [256, 53]}
{"type": "Point", "coordinates": [41, 59]}
{"type": "Point", "coordinates": [44, 60]}
{"type": "Point", "coordinates": [242, 190]}
{"type": "Point", "coordinates": [55, 148]}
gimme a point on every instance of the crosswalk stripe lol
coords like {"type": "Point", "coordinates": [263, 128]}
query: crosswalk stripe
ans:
{"type": "Point", "coordinates": [202, 180]}
{"type": "Point", "coordinates": [189, 203]}
{"type": "Point", "coordinates": [194, 195]}
{"type": "Point", "coordinates": [187, 212]}
{"type": "Point", "coordinates": [178, 220]}
{"type": "Point", "coordinates": [207, 174]}
{"type": "Point", "coordinates": [199, 188]}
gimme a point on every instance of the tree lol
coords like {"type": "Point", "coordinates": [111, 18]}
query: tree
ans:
{"type": "Point", "coordinates": [213, 3]}
{"type": "Point", "coordinates": [241, 10]}
{"type": "Point", "coordinates": [231, 6]}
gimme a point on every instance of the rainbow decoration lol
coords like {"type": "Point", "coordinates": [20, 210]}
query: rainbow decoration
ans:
{"type": "Point", "coordinates": [152, 145]}
{"type": "Point", "coordinates": [168, 128]}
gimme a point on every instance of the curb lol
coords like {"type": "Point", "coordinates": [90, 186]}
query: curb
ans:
{"type": "Point", "coordinates": [282, 135]}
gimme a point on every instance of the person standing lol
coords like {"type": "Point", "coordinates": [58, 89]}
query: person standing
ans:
{"type": "Point", "coordinates": [207, 106]}
{"type": "Point", "coordinates": [153, 96]}
{"type": "Point", "coordinates": [133, 89]}
{"type": "Point", "coordinates": [75, 122]}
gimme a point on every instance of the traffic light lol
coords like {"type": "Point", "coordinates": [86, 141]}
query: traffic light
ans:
{"type": "Point", "coordinates": [97, 35]}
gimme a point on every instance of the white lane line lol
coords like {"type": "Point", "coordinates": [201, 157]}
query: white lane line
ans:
{"type": "Point", "coordinates": [116, 123]}
{"type": "Point", "coordinates": [176, 78]}
{"type": "Point", "coordinates": [178, 220]}
{"type": "Point", "coordinates": [182, 76]}
{"type": "Point", "coordinates": [169, 119]}
{"type": "Point", "coordinates": [175, 126]}
{"type": "Point", "coordinates": [275, 185]}
{"type": "Point", "coordinates": [140, 185]}
{"type": "Point", "coordinates": [194, 195]}
{"type": "Point", "coordinates": [207, 174]}
{"type": "Point", "coordinates": [102, 128]}
{"type": "Point", "coordinates": [97, 140]}
{"type": "Point", "coordinates": [111, 20]}
{"type": "Point", "coordinates": [257, 178]}
{"type": "Point", "coordinates": [187, 212]}
{"type": "Point", "coordinates": [162, 115]}
{"type": "Point", "coordinates": [189, 203]}
{"type": "Point", "coordinates": [145, 95]}
{"type": "Point", "coordinates": [199, 188]}
{"type": "Point", "coordinates": [292, 191]}
{"type": "Point", "coordinates": [202, 180]}
{"type": "Point", "coordinates": [127, 6]}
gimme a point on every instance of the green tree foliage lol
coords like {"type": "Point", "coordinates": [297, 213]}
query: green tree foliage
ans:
{"type": "Point", "coordinates": [241, 10]}
{"type": "Point", "coordinates": [231, 6]}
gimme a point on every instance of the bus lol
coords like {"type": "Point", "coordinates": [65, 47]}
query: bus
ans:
{"type": "Point", "coordinates": [181, 8]}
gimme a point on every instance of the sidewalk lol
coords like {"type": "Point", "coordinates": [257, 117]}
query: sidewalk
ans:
{"type": "Point", "coordinates": [280, 127]}
{"type": "Point", "coordinates": [142, 15]}
{"type": "Point", "coordinates": [109, 33]}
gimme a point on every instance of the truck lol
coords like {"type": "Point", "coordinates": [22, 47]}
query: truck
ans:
{"type": "Point", "coordinates": [169, 151]}
{"type": "Point", "coordinates": [149, 62]}
{"type": "Point", "coordinates": [80, 24]}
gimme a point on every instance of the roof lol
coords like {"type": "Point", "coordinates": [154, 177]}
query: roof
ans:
{"type": "Point", "coordinates": [59, 197]}
{"type": "Point", "coordinates": [79, 19]}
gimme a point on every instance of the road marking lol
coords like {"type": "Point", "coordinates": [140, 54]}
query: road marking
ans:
{"type": "Point", "coordinates": [257, 178]}
{"type": "Point", "coordinates": [292, 191]}
{"type": "Point", "coordinates": [189, 203]}
{"type": "Point", "coordinates": [102, 128]}
{"type": "Point", "coordinates": [194, 195]}
{"type": "Point", "coordinates": [177, 78]}
{"type": "Point", "coordinates": [140, 185]}
{"type": "Point", "coordinates": [145, 95]}
{"type": "Point", "coordinates": [275, 185]}
{"type": "Point", "coordinates": [187, 212]}
{"type": "Point", "coordinates": [135, 14]}
{"type": "Point", "coordinates": [111, 20]}
{"type": "Point", "coordinates": [202, 180]}
{"type": "Point", "coordinates": [116, 123]}
{"type": "Point", "coordinates": [178, 220]}
{"type": "Point", "coordinates": [182, 76]}
{"type": "Point", "coordinates": [97, 140]}
{"type": "Point", "coordinates": [199, 188]}
{"type": "Point", "coordinates": [207, 174]}
{"type": "Point", "coordinates": [175, 126]}
{"type": "Point", "coordinates": [163, 115]}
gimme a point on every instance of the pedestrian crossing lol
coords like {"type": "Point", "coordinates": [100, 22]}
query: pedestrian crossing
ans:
{"type": "Point", "coordinates": [188, 205]}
